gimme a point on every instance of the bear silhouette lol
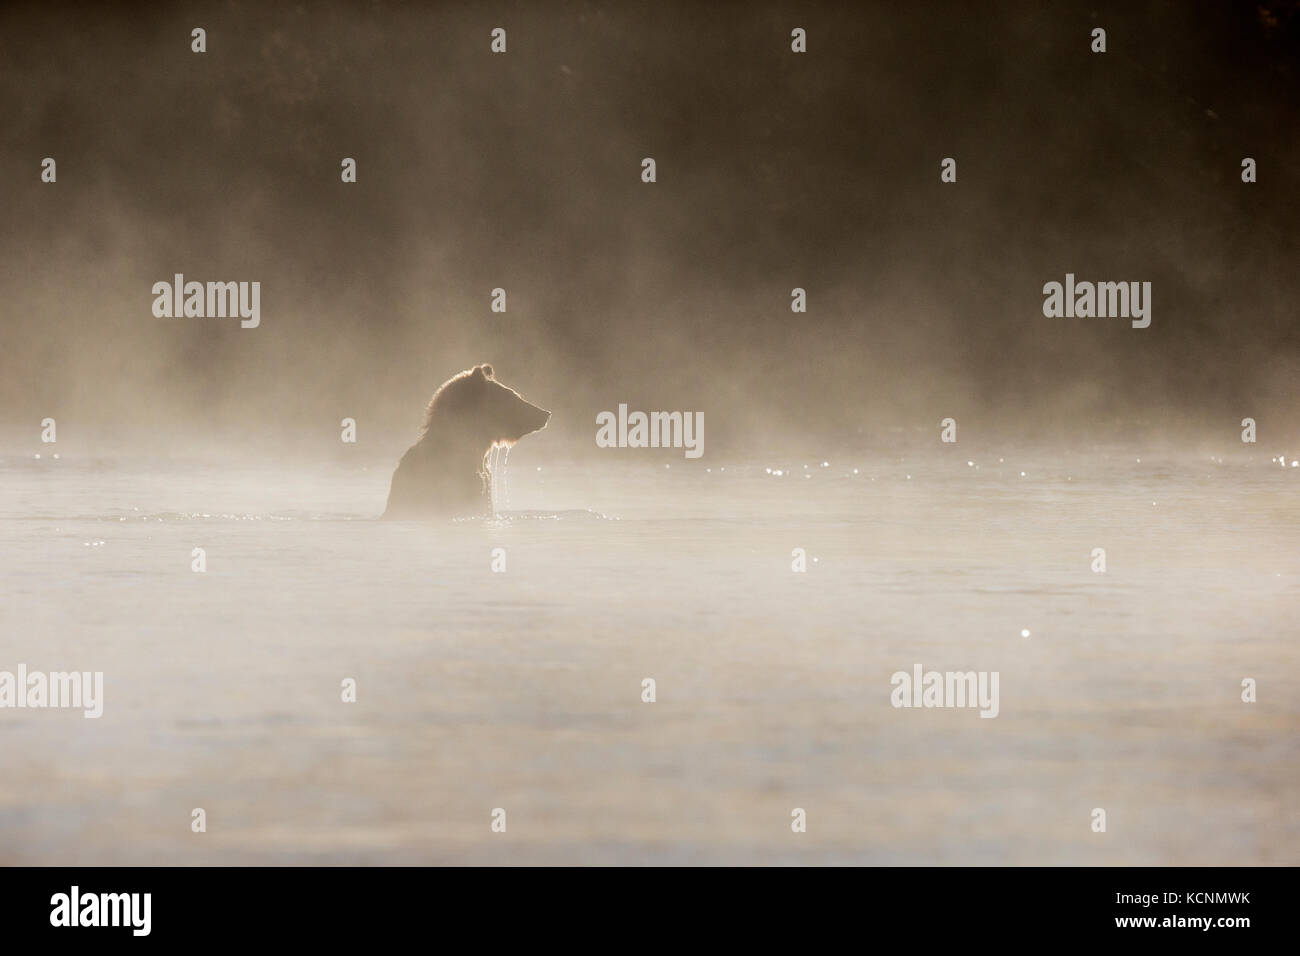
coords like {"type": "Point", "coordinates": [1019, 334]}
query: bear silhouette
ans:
{"type": "Point", "coordinates": [445, 473]}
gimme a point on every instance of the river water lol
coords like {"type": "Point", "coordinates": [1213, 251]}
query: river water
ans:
{"type": "Point", "coordinates": [522, 689]}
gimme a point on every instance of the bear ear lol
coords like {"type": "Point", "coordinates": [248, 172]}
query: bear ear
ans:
{"type": "Point", "coordinates": [485, 370]}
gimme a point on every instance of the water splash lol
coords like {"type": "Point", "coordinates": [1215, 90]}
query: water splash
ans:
{"type": "Point", "coordinates": [498, 490]}
{"type": "Point", "coordinates": [505, 483]}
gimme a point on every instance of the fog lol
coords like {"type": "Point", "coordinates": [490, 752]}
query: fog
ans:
{"type": "Point", "coordinates": [1099, 538]}
{"type": "Point", "coordinates": [774, 171]}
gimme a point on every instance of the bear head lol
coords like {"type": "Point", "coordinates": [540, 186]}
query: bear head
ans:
{"type": "Point", "coordinates": [474, 405]}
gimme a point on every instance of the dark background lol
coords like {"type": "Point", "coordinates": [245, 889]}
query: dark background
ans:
{"type": "Point", "coordinates": [775, 170]}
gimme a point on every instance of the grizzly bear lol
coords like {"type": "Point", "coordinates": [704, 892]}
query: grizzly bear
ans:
{"type": "Point", "coordinates": [446, 472]}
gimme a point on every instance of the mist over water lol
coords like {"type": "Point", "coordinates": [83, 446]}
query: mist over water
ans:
{"type": "Point", "coordinates": [775, 171]}
{"type": "Point", "coordinates": [521, 688]}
